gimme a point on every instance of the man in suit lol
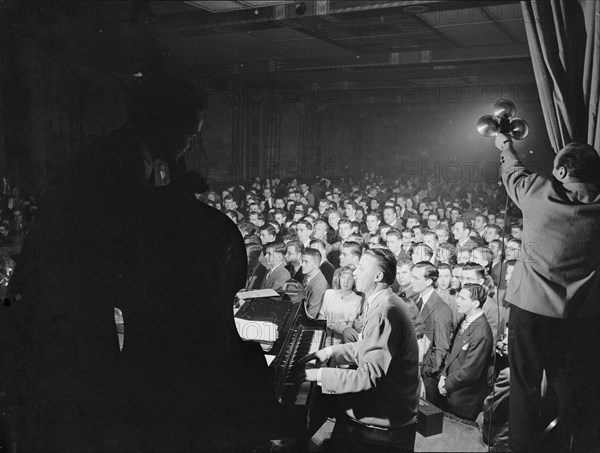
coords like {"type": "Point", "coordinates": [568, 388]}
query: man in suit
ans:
{"type": "Point", "coordinates": [554, 292]}
{"type": "Point", "coordinates": [309, 196]}
{"type": "Point", "coordinates": [293, 259]}
{"type": "Point", "coordinates": [269, 200]}
{"type": "Point", "coordinates": [462, 233]}
{"type": "Point", "coordinates": [464, 379]}
{"type": "Point", "coordinates": [314, 282]}
{"type": "Point", "coordinates": [390, 218]}
{"type": "Point", "coordinates": [437, 323]}
{"type": "Point", "coordinates": [256, 270]}
{"type": "Point", "coordinates": [377, 400]}
{"type": "Point", "coordinates": [373, 220]}
{"type": "Point", "coordinates": [171, 263]}
{"type": "Point", "coordinates": [325, 267]}
{"type": "Point", "coordinates": [277, 275]}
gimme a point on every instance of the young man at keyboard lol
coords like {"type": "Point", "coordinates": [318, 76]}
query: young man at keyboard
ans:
{"type": "Point", "coordinates": [376, 397]}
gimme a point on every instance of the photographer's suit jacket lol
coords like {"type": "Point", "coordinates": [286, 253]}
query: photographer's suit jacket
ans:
{"type": "Point", "coordinates": [558, 270]}
{"type": "Point", "coordinates": [383, 390]}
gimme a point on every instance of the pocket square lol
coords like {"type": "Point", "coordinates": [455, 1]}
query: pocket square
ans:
{"type": "Point", "coordinates": [465, 347]}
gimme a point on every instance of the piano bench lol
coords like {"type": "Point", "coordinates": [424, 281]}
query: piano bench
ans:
{"type": "Point", "coordinates": [349, 436]}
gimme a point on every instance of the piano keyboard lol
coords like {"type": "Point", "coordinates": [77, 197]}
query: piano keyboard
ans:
{"type": "Point", "coordinates": [306, 341]}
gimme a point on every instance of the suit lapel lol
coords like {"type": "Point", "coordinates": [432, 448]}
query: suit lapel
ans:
{"type": "Point", "coordinates": [428, 308]}
{"type": "Point", "coordinates": [461, 340]}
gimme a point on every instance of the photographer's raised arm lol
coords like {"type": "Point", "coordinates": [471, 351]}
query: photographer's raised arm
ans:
{"type": "Point", "coordinates": [515, 177]}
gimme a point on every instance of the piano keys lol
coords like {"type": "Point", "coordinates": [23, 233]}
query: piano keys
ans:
{"type": "Point", "coordinates": [297, 336]}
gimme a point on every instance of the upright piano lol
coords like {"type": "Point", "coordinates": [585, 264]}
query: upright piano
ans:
{"type": "Point", "coordinates": [297, 336]}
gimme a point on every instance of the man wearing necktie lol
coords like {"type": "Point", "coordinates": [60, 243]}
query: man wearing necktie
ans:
{"type": "Point", "coordinates": [464, 379]}
{"type": "Point", "coordinates": [377, 397]}
{"type": "Point", "coordinates": [436, 317]}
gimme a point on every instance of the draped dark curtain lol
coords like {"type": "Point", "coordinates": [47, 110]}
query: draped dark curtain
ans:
{"type": "Point", "coordinates": [564, 42]}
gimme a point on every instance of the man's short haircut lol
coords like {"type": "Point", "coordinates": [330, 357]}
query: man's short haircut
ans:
{"type": "Point", "coordinates": [429, 233]}
{"type": "Point", "coordinates": [478, 268]}
{"type": "Point", "coordinates": [313, 253]}
{"type": "Point", "coordinates": [354, 247]}
{"type": "Point", "coordinates": [277, 247]}
{"type": "Point", "coordinates": [485, 219]}
{"type": "Point", "coordinates": [431, 272]}
{"type": "Point", "coordinates": [477, 292]}
{"type": "Point", "coordinates": [499, 243]}
{"type": "Point", "coordinates": [356, 238]}
{"type": "Point", "coordinates": [378, 238]}
{"type": "Point", "coordinates": [270, 229]}
{"type": "Point", "coordinates": [247, 228]}
{"type": "Point", "coordinates": [374, 214]}
{"type": "Point", "coordinates": [516, 225]}
{"type": "Point", "coordinates": [290, 237]}
{"type": "Point", "coordinates": [345, 222]}
{"type": "Point", "coordinates": [319, 243]}
{"type": "Point", "coordinates": [408, 263]}
{"type": "Point", "coordinates": [445, 267]}
{"type": "Point", "coordinates": [297, 245]}
{"type": "Point", "coordinates": [387, 263]}
{"type": "Point", "coordinates": [352, 203]}
{"type": "Point", "coordinates": [412, 215]}
{"type": "Point", "coordinates": [516, 241]}
{"type": "Point", "coordinates": [324, 222]}
{"type": "Point", "coordinates": [306, 223]}
{"type": "Point", "coordinates": [466, 223]}
{"type": "Point", "coordinates": [488, 255]}
{"type": "Point", "coordinates": [394, 232]}
{"type": "Point", "coordinates": [581, 161]}
{"type": "Point", "coordinates": [409, 231]}
{"type": "Point", "coordinates": [389, 207]}
{"type": "Point", "coordinates": [496, 228]}
{"type": "Point", "coordinates": [428, 251]}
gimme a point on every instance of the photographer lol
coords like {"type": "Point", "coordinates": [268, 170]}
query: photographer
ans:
{"type": "Point", "coordinates": [555, 293]}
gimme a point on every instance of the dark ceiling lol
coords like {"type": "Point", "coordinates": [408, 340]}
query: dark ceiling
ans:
{"type": "Point", "coordinates": [369, 49]}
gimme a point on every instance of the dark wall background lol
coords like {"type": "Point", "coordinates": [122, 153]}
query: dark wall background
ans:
{"type": "Point", "coordinates": [52, 109]}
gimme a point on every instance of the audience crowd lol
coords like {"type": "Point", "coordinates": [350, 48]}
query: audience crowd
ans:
{"type": "Point", "coordinates": [455, 246]}
{"type": "Point", "coordinates": [17, 210]}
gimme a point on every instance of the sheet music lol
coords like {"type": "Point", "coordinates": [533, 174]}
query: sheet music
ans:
{"type": "Point", "coordinates": [255, 293]}
{"type": "Point", "coordinates": [261, 331]}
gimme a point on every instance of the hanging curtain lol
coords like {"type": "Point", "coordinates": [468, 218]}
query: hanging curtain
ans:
{"type": "Point", "coordinates": [564, 42]}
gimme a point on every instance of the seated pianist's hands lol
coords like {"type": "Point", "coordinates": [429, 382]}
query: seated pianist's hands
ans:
{"type": "Point", "coordinates": [304, 371]}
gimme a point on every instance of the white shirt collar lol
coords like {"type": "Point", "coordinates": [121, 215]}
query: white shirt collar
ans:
{"type": "Point", "coordinates": [467, 321]}
{"type": "Point", "coordinates": [280, 264]}
{"type": "Point", "coordinates": [309, 278]}
{"type": "Point", "coordinates": [426, 295]}
{"type": "Point", "coordinates": [370, 300]}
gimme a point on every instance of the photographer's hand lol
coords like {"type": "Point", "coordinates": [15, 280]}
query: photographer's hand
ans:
{"type": "Point", "coordinates": [503, 141]}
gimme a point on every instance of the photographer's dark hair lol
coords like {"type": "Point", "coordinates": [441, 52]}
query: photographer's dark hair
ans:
{"type": "Point", "coordinates": [581, 161]}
